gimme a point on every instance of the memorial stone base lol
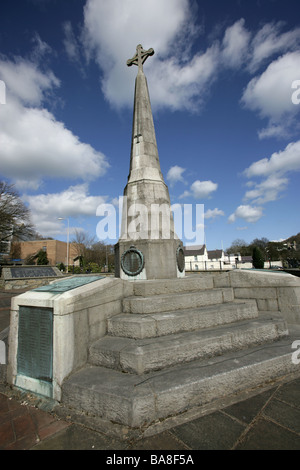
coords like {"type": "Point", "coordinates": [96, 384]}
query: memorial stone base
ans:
{"type": "Point", "coordinates": [129, 357]}
{"type": "Point", "coordinates": [149, 259]}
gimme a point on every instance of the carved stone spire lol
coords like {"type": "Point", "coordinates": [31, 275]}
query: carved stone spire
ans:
{"type": "Point", "coordinates": [147, 219]}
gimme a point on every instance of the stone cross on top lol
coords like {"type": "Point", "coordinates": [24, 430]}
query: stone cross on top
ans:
{"type": "Point", "coordinates": [140, 57]}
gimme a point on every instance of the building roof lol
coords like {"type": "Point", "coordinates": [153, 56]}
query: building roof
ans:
{"type": "Point", "coordinates": [247, 258]}
{"type": "Point", "coordinates": [194, 250]}
{"type": "Point", "coordinates": [215, 254]}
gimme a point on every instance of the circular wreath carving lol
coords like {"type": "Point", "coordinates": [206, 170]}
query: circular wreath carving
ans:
{"type": "Point", "coordinates": [132, 261]}
{"type": "Point", "coordinates": [180, 259]}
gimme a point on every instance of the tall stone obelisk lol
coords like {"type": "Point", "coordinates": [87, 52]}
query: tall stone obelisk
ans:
{"type": "Point", "coordinates": [148, 247]}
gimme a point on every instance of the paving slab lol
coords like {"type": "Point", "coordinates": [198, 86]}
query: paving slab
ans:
{"type": "Point", "coordinates": [246, 410]}
{"type": "Point", "coordinates": [75, 437]}
{"type": "Point", "coordinates": [286, 415]}
{"type": "Point", "coordinates": [23, 426]}
{"type": "Point", "coordinates": [214, 431]}
{"type": "Point", "coordinates": [266, 435]}
{"type": "Point", "coordinates": [267, 420]}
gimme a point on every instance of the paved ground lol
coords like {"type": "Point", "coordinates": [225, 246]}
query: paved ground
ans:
{"type": "Point", "coordinates": [267, 421]}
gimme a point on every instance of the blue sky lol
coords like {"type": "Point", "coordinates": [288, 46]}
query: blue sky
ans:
{"type": "Point", "coordinates": [221, 91]}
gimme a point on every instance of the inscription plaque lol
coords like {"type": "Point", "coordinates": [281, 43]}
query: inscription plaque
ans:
{"type": "Point", "coordinates": [68, 284]}
{"type": "Point", "coordinates": [35, 339]}
{"type": "Point", "coordinates": [29, 272]}
{"type": "Point", "coordinates": [34, 271]}
{"type": "Point", "coordinates": [132, 261]}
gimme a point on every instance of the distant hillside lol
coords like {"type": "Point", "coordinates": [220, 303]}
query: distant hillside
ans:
{"type": "Point", "coordinates": [295, 238]}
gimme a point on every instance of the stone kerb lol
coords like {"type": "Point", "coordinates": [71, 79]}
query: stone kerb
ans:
{"type": "Point", "coordinates": [272, 291]}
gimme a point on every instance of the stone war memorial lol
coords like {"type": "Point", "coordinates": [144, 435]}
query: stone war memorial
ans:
{"type": "Point", "coordinates": [131, 354]}
{"type": "Point", "coordinates": [21, 277]}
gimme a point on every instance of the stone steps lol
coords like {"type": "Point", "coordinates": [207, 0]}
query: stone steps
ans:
{"type": "Point", "coordinates": [160, 324]}
{"type": "Point", "coordinates": [139, 400]}
{"type": "Point", "coordinates": [178, 344]}
{"type": "Point", "coordinates": [173, 286]}
{"type": "Point", "coordinates": [145, 355]}
{"type": "Point", "coordinates": [170, 302]}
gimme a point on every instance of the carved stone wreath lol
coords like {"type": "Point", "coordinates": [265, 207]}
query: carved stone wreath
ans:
{"type": "Point", "coordinates": [132, 262]}
{"type": "Point", "coordinates": [180, 259]}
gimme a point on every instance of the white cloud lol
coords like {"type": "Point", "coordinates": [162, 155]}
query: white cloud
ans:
{"type": "Point", "coordinates": [203, 189]}
{"type": "Point", "coordinates": [177, 80]}
{"type": "Point", "coordinates": [34, 145]}
{"type": "Point", "coordinates": [185, 194]}
{"type": "Point", "coordinates": [72, 202]}
{"type": "Point", "coordinates": [25, 82]}
{"type": "Point", "coordinates": [236, 44]}
{"type": "Point", "coordinates": [213, 213]}
{"type": "Point", "coordinates": [135, 21]}
{"type": "Point", "coordinates": [268, 190]}
{"type": "Point", "coordinates": [248, 213]}
{"type": "Point", "coordinates": [40, 50]}
{"type": "Point", "coordinates": [200, 190]}
{"type": "Point", "coordinates": [183, 87]}
{"type": "Point", "coordinates": [70, 42]}
{"type": "Point", "coordinates": [280, 162]}
{"type": "Point", "coordinates": [275, 130]}
{"type": "Point", "coordinates": [269, 41]}
{"type": "Point", "coordinates": [270, 94]}
{"type": "Point", "coordinates": [175, 174]}
{"type": "Point", "coordinates": [273, 170]}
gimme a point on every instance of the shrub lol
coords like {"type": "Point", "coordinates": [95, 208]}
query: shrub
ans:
{"type": "Point", "coordinates": [257, 257]}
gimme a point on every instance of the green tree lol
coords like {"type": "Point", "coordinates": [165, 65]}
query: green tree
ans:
{"type": "Point", "coordinates": [257, 257]}
{"type": "Point", "coordinates": [42, 258]}
{"type": "Point", "coordinates": [239, 246]}
{"type": "Point", "coordinates": [61, 267]}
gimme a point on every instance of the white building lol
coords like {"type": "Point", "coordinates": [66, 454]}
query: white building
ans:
{"type": "Point", "coordinates": [198, 258]}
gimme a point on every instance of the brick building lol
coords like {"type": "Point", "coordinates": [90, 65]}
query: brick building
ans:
{"type": "Point", "coordinates": [55, 249]}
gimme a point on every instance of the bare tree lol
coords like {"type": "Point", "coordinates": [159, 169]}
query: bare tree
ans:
{"type": "Point", "coordinates": [91, 251]}
{"type": "Point", "coordinates": [82, 242]}
{"type": "Point", "coordinates": [14, 216]}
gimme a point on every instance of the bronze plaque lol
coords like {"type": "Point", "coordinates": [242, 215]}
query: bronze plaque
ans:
{"type": "Point", "coordinates": [132, 262]}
